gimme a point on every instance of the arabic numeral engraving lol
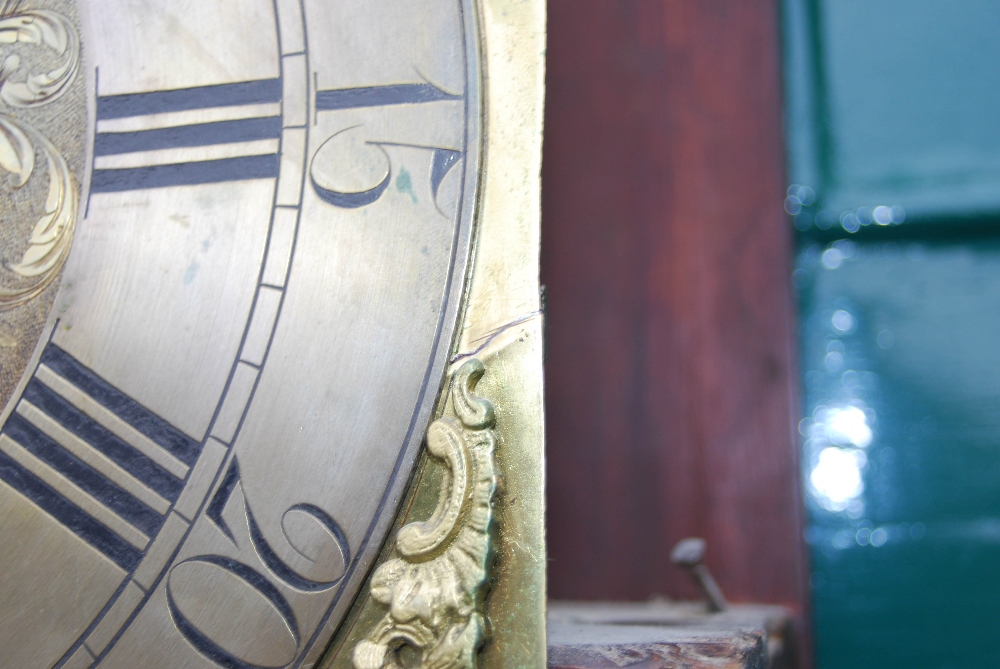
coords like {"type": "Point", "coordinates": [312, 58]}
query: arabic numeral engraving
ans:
{"type": "Point", "coordinates": [349, 170]}
{"type": "Point", "coordinates": [330, 563]}
{"type": "Point", "coordinates": [320, 554]}
{"type": "Point", "coordinates": [250, 593]}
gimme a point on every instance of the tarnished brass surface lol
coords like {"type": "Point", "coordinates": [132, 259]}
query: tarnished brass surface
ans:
{"type": "Point", "coordinates": [242, 253]}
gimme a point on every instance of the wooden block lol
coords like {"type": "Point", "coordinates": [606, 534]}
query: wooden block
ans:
{"type": "Point", "coordinates": [668, 635]}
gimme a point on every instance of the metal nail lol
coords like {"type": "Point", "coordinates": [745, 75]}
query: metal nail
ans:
{"type": "Point", "coordinates": [690, 554]}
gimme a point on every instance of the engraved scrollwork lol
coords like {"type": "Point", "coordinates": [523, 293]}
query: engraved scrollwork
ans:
{"type": "Point", "coordinates": [52, 235]}
{"type": "Point", "coordinates": [48, 246]}
{"type": "Point", "coordinates": [435, 589]}
{"type": "Point", "coordinates": [44, 28]}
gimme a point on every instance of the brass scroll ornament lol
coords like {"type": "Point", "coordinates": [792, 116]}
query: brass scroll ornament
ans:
{"type": "Point", "coordinates": [435, 590]}
{"type": "Point", "coordinates": [49, 243]}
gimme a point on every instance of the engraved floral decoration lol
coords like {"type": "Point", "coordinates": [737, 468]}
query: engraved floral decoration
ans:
{"type": "Point", "coordinates": [435, 589]}
{"type": "Point", "coordinates": [52, 235]}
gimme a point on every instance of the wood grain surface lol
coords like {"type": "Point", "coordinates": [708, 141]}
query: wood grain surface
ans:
{"type": "Point", "coordinates": [670, 634]}
{"type": "Point", "coordinates": [670, 394]}
{"type": "Point", "coordinates": [618, 646]}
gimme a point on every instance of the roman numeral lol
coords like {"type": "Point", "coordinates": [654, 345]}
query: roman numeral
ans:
{"type": "Point", "coordinates": [189, 136]}
{"type": "Point", "coordinates": [94, 459]}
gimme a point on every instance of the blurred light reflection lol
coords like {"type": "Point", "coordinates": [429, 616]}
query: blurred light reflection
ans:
{"type": "Point", "coordinates": [840, 430]}
{"type": "Point", "coordinates": [832, 258]}
{"type": "Point", "coordinates": [848, 425]}
{"type": "Point", "coordinates": [836, 478]}
{"type": "Point", "coordinates": [865, 534]}
{"type": "Point", "coordinates": [842, 320]}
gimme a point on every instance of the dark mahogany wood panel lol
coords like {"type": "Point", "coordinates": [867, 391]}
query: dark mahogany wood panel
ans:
{"type": "Point", "coordinates": [670, 391]}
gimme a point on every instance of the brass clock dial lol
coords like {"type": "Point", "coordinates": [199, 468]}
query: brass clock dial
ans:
{"type": "Point", "coordinates": [236, 244]}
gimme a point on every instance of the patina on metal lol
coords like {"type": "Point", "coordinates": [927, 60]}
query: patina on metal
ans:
{"type": "Point", "coordinates": [245, 255]}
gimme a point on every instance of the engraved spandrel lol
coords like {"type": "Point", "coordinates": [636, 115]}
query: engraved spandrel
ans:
{"type": "Point", "coordinates": [50, 240]}
{"type": "Point", "coordinates": [40, 27]}
{"type": "Point", "coordinates": [52, 233]}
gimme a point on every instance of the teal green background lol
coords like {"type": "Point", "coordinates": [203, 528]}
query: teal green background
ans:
{"type": "Point", "coordinates": [896, 103]}
{"type": "Point", "coordinates": [920, 358]}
